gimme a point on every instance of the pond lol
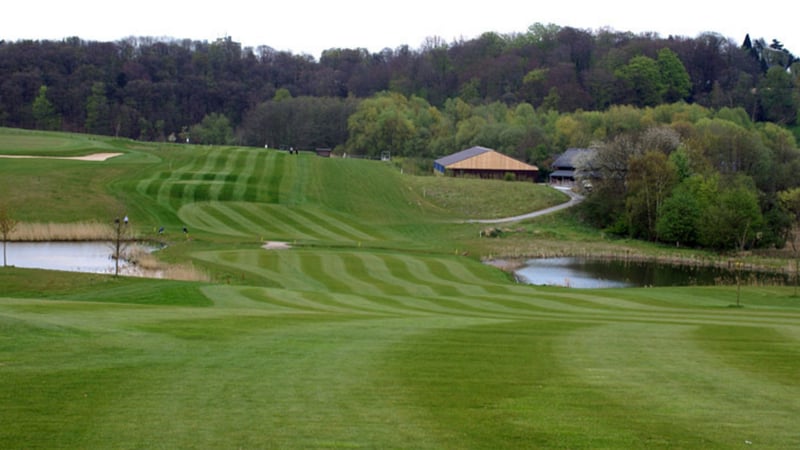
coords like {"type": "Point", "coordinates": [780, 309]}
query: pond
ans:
{"type": "Point", "coordinates": [604, 273]}
{"type": "Point", "coordinates": [93, 257]}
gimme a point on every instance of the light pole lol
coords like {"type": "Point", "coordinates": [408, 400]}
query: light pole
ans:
{"type": "Point", "coordinates": [119, 226]}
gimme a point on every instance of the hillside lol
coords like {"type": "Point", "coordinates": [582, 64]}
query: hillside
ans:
{"type": "Point", "coordinates": [378, 327]}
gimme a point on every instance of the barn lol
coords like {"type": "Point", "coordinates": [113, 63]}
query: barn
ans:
{"type": "Point", "coordinates": [484, 162]}
{"type": "Point", "coordinates": [564, 166]}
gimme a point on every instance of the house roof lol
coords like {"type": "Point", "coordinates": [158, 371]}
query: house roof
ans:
{"type": "Point", "coordinates": [482, 158]}
{"type": "Point", "coordinates": [567, 159]}
{"type": "Point", "coordinates": [448, 160]}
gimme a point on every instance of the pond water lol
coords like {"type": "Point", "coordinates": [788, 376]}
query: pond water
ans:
{"type": "Point", "coordinates": [93, 257]}
{"type": "Point", "coordinates": [596, 273]}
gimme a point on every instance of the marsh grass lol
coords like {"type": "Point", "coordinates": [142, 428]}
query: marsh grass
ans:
{"type": "Point", "coordinates": [78, 231]}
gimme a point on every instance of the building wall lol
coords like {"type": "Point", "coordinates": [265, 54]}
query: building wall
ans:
{"type": "Point", "coordinates": [519, 175]}
{"type": "Point", "coordinates": [492, 161]}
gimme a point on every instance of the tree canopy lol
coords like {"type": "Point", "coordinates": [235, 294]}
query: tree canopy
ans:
{"type": "Point", "coordinates": [147, 88]}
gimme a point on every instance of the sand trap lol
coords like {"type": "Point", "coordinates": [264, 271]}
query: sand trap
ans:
{"type": "Point", "coordinates": [274, 245]}
{"type": "Point", "coordinates": [92, 157]}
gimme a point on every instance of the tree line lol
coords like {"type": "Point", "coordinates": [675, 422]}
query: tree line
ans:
{"type": "Point", "coordinates": [157, 89]}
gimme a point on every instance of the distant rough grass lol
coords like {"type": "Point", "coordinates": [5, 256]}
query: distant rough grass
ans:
{"type": "Point", "coordinates": [472, 198]}
{"type": "Point", "coordinates": [79, 231]}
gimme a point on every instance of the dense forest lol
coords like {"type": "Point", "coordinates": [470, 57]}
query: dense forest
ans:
{"type": "Point", "coordinates": [690, 135]}
{"type": "Point", "coordinates": [146, 88]}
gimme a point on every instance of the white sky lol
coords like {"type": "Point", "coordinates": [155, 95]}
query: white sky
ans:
{"type": "Point", "coordinates": [312, 26]}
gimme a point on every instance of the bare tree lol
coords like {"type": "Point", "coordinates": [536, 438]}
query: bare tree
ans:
{"type": "Point", "coordinates": [120, 241]}
{"type": "Point", "coordinates": [7, 226]}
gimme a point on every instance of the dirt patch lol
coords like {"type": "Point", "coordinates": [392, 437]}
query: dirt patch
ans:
{"type": "Point", "coordinates": [274, 245]}
{"type": "Point", "coordinates": [507, 265]}
{"type": "Point", "coordinates": [92, 157]}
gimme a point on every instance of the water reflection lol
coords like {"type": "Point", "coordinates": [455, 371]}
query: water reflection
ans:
{"type": "Point", "coordinates": [595, 273]}
{"type": "Point", "coordinates": [93, 257]}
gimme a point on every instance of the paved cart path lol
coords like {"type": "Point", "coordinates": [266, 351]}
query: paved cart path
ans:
{"type": "Point", "coordinates": [574, 199]}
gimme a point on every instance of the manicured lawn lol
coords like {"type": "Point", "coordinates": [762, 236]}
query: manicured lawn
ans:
{"type": "Point", "coordinates": [378, 328]}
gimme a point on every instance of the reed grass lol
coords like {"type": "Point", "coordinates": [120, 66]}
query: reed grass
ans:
{"type": "Point", "coordinates": [78, 231]}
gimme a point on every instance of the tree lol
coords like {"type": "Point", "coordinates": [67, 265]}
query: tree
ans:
{"type": "Point", "coordinates": [98, 111]}
{"type": "Point", "coordinates": [790, 201]}
{"type": "Point", "coordinates": [675, 78]}
{"type": "Point", "coordinates": [776, 97]}
{"type": "Point", "coordinates": [642, 82]}
{"type": "Point", "coordinates": [650, 179]}
{"type": "Point", "coordinates": [121, 237]}
{"type": "Point", "coordinates": [677, 220]}
{"type": "Point", "coordinates": [44, 113]}
{"type": "Point", "coordinates": [733, 219]}
{"type": "Point", "coordinates": [7, 226]}
{"type": "Point", "coordinates": [382, 124]}
{"type": "Point", "coordinates": [215, 129]}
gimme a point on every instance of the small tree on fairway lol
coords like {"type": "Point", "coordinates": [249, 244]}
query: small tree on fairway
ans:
{"type": "Point", "coordinates": [790, 200]}
{"type": "Point", "coordinates": [7, 226]}
{"type": "Point", "coordinates": [119, 241]}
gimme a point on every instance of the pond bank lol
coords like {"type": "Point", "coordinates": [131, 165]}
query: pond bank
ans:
{"type": "Point", "coordinates": [628, 268]}
{"type": "Point", "coordinates": [97, 257]}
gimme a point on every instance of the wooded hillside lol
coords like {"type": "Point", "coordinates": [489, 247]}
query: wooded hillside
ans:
{"type": "Point", "coordinates": [151, 89]}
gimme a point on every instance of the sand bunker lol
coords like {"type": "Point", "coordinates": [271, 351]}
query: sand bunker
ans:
{"type": "Point", "coordinates": [273, 245]}
{"type": "Point", "coordinates": [92, 157]}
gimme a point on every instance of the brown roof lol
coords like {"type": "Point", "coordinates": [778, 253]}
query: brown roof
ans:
{"type": "Point", "coordinates": [481, 158]}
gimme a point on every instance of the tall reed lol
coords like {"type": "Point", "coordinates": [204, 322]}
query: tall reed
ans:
{"type": "Point", "coordinates": [78, 231]}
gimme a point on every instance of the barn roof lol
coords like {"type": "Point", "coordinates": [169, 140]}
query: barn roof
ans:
{"type": "Point", "coordinates": [448, 160]}
{"type": "Point", "coordinates": [482, 158]}
{"type": "Point", "coordinates": [567, 159]}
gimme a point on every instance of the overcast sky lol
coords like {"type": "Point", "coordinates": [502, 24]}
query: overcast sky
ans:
{"type": "Point", "coordinates": [312, 26]}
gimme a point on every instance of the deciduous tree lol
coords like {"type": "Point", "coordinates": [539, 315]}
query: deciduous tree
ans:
{"type": "Point", "coordinates": [44, 113]}
{"type": "Point", "coordinates": [674, 77]}
{"type": "Point", "coordinates": [650, 179]}
{"type": "Point", "coordinates": [7, 226]}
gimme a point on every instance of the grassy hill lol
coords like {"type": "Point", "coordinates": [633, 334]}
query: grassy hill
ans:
{"type": "Point", "coordinates": [374, 330]}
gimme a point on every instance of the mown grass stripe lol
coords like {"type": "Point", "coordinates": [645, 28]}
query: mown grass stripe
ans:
{"type": "Point", "coordinates": [223, 178]}
{"type": "Point", "coordinates": [256, 184]}
{"type": "Point", "coordinates": [636, 366]}
{"type": "Point", "coordinates": [291, 229]}
{"type": "Point", "coordinates": [342, 279]}
{"type": "Point", "coordinates": [372, 270]}
{"type": "Point", "coordinates": [241, 297]}
{"type": "Point", "coordinates": [453, 271]}
{"type": "Point", "coordinates": [205, 219]}
{"type": "Point", "coordinates": [299, 180]}
{"type": "Point", "coordinates": [236, 221]}
{"type": "Point", "coordinates": [250, 212]}
{"type": "Point", "coordinates": [335, 226]}
{"type": "Point", "coordinates": [292, 300]}
{"type": "Point", "coordinates": [273, 180]}
{"type": "Point", "coordinates": [399, 268]}
{"type": "Point", "coordinates": [294, 219]}
{"type": "Point", "coordinates": [361, 303]}
{"type": "Point", "coordinates": [419, 272]}
{"type": "Point", "coordinates": [236, 191]}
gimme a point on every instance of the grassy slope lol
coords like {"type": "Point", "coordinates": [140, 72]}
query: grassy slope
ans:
{"type": "Point", "coordinates": [374, 332]}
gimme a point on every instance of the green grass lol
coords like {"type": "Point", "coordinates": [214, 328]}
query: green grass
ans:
{"type": "Point", "coordinates": [486, 199]}
{"type": "Point", "coordinates": [372, 331]}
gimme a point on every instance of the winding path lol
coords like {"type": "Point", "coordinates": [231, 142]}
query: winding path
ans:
{"type": "Point", "coordinates": [574, 199]}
